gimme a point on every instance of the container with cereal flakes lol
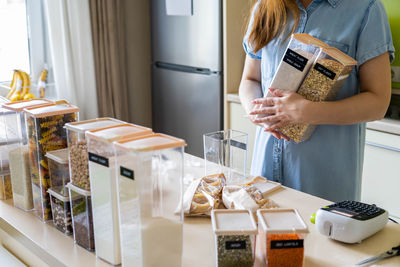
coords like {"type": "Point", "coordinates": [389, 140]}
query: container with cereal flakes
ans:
{"type": "Point", "coordinates": [77, 147]}
{"type": "Point", "coordinates": [45, 127]}
{"type": "Point", "coordinates": [103, 186]}
{"type": "Point", "coordinates": [281, 237]}
{"type": "Point", "coordinates": [150, 191]}
{"type": "Point", "coordinates": [59, 170]}
{"type": "Point", "coordinates": [235, 232]}
{"type": "Point", "coordinates": [322, 83]}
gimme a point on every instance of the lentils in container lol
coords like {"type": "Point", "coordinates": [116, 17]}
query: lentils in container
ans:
{"type": "Point", "coordinates": [322, 83]}
{"type": "Point", "coordinates": [45, 126]}
{"type": "Point", "coordinates": [82, 217]}
{"type": "Point", "coordinates": [103, 185]}
{"type": "Point", "coordinates": [281, 237]}
{"type": "Point", "coordinates": [77, 147]}
{"type": "Point", "coordinates": [235, 232]}
{"type": "Point", "coordinates": [61, 211]}
{"type": "Point", "coordinates": [59, 170]}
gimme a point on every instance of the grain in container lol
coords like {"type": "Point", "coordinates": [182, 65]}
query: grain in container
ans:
{"type": "Point", "coordinates": [150, 180]}
{"type": "Point", "coordinates": [77, 147]}
{"type": "Point", "coordinates": [103, 185]}
{"type": "Point", "coordinates": [281, 237]}
{"type": "Point", "coordinates": [61, 211]}
{"type": "Point", "coordinates": [45, 127]}
{"type": "Point", "coordinates": [235, 232]}
{"type": "Point", "coordinates": [59, 170]}
{"type": "Point", "coordinates": [82, 217]}
{"type": "Point", "coordinates": [322, 83]}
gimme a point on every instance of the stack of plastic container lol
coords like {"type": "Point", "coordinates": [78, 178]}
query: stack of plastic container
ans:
{"type": "Point", "coordinates": [18, 155]}
{"type": "Point", "coordinates": [103, 187]}
{"type": "Point", "coordinates": [45, 127]}
{"type": "Point", "coordinates": [150, 181]}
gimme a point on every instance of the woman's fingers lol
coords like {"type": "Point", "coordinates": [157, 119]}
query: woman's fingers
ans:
{"type": "Point", "coordinates": [263, 110]}
{"type": "Point", "coordinates": [269, 119]}
{"type": "Point", "coordinates": [266, 101]}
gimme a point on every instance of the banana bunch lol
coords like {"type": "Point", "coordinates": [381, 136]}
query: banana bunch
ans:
{"type": "Point", "coordinates": [20, 87]}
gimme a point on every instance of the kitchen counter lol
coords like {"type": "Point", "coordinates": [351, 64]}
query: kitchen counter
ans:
{"type": "Point", "coordinates": [56, 249]}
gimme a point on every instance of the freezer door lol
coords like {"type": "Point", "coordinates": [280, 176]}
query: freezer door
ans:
{"type": "Point", "coordinates": [186, 105]}
{"type": "Point", "coordinates": [188, 40]}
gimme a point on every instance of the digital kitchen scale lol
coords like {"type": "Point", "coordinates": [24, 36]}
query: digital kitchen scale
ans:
{"type": "Point", "coordinates": [350, 221]}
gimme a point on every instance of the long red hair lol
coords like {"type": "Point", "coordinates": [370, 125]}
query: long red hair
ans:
{"type": "Point", "coordinates": [270, 18]}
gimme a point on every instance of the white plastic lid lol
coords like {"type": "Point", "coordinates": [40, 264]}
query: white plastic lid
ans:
{"type": "Point", "coordinates": [5, 111]}
{"type": "Point", "coordinates": [20, 105]}
{"type": "Point", "coordinates": [281, 221]}
{"type": "Point", "coordinates": [83, 126]}
{"type": "Point", "coordinates": [51, 110]}
{"type": "Point", "coordinates": [78, 190]}
{"type": "Point", "coordinates": [233, 222]}
{"type": "Point", "coordinates": [150, 142]}
{"type": "Point", "coordinates": [118, 132]}
{"type": "Point", "coordinates": [60, 156]}
{"type": "Point", "coordinates": [57, 195]}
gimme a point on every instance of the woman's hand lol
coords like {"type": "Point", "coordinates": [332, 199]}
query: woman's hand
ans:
{"type": "Point", "coordinates": [282, 108]}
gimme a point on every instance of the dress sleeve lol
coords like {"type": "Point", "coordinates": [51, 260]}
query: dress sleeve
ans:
{"type": "Point", "coordinates": [246, 45]}
{"type": "Point", "coordinates": [374, 37]}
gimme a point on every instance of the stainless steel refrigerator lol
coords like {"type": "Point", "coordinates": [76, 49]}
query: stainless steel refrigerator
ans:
{"type": "Point", "coordinates": [187, 72]}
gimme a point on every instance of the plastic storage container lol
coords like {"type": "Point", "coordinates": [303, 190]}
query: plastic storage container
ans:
{"type": "Point", "coordinates": [150, 181]}
{"type": "Point", "coordinates": [58, 164]}
{"type": "Point", "coordinates": [235, 232]}
{"type": "Point", "coordinates": [19, 153]}
{"type": "Point", "coordinates": [103, 186]}
{"type": "Point", "coordinates": [45, 126]}
{"type": "Point", "coordinates": [281, 237]}
{"type": "Point", "coordinates": [226, 152]}
{"type": "Point", "coordinates": [77, 146]}
{"type": "Point", "coordinates": [322, 83]}
{"type": "Point", "coordinates": [61, 211]}
{"type": "Point", "coordinates": [82, 216]}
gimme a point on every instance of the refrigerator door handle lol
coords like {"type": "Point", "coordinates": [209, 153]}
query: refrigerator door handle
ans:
{"type": "Point", "coordinates": [183, 68]}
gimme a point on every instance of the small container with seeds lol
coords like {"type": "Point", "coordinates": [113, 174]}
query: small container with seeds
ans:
{"type": "Point", "coordinates": [82, 218]}
{"type": "Point", "coordinates": [322, 83]}
{"type": "Point", "coordinates": [61, 210]}
{"type": "Point", "coordinates": [45, 128]}
{"type": "Point", "coordinates": [235, 232]}
{"type": "Point", "coordinates": [77, 147]}
{"type": "Point", "coordinates": [59, 170]}
{"type": "Point", "coordinates": [281, 237]}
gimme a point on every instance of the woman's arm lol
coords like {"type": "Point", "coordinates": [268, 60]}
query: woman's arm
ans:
{"type": "Point", "coordinates": [371, 104]}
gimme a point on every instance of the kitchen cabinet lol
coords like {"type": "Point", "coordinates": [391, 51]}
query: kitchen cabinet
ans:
{"type": "Point", "coordinates": [381, 173]}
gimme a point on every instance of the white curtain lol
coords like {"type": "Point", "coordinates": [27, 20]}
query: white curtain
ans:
{"type": "Point", "coordinates": [68, 22]}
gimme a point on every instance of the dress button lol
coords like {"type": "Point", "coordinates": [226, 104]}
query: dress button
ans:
{"type": "Point", "coordinates": [277, 150]}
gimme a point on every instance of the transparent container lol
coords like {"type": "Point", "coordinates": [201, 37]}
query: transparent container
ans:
{"type": "Point", "coordinates": [77, 146]}
{"type": "Point", "coordinates": [5, 187]}
{"type": "Point", "coordinates": [281, 237]}
{"type": "Point", "coordinates": [18, 151]}
{"type": "Point", "coordinates": [45, 127]}
{"type": "Point", "coordinates": [150, 181]}
{"type": "Point", "coordinates": [61, 211]}
{"type": "Point", "coordinates": [235, 232]}
{"type": "Point", "coordinates": [82, 217]}
{"type": "Point", "coordinates": [103, 186]}
{"type": "Point", "coordinates": [226, 152]}
{"type": "Point", "coordinates": [58, 164]}
{"type": "Point", "coordinates": [322, 83]}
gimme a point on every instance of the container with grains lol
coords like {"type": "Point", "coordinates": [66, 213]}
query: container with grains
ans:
{"type": "Point", "coordinates": [281, 237]}
{"type": "Point", "coordinates": [103, 186]}
{"type": "Point", "coordinates": [59, 170]}
{"type": "Point", "coordinates": [45, 126]}
{"type": "Point", "coordinates": [235, 232]}
{"type": "Point", "coordinates": [77, 147]}
{"type": "Point", "coordinates": [150, 172]}
{"type": "Point", "coordinates": [61, 211]}
{"type": "Point", "coordinates": [322, 83]}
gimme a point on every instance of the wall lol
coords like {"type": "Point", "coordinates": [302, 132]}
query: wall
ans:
{"type": "Point", "coordinates": [138, 60]}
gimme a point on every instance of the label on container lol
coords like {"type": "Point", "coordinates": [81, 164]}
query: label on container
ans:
{"type": "Point", "coordinates": [127, 173]}
{"type": "Point", "coordinates": [295, 60]}
{"type": "Point", "coordinates": [238, 144]}
{"type": "Point", "coordinates": [98, 159]}
{"type": "Point", "coordinates": [235, 245]}
{"type": "Point", "coordinates": [278, 244]}
{"type": "Point", "coordinates": [328, 73]}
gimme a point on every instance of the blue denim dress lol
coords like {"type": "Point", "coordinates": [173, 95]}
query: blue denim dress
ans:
{"type": "Point", "coordinates": [329, 164]}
